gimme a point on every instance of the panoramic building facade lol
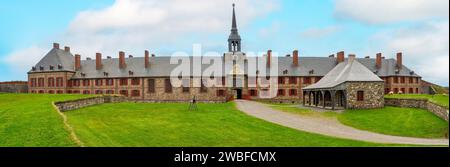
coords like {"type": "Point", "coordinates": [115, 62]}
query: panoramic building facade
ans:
{"type": "Point", "coordinates": [149, 78]}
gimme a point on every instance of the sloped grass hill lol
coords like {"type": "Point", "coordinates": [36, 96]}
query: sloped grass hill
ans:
{"type": "Point", "coordinates": [31, 120]}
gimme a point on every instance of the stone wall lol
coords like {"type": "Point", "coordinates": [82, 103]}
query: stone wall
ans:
{"type": "Point", "coordinates": [14, 87]}
{"type": "Point", "coordinates": [439, 111]}
{"type": "Point", "coordinates": [86, 102]}
{"type": "Point", "coordinates": [80, 103]}
{"type": "Point", "coordinates": [373, 95]}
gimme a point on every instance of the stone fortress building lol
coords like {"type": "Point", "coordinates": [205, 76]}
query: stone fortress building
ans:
{"type": "Point", "coordinates": [298, 78]}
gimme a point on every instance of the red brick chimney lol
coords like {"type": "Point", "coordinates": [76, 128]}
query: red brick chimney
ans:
{"type": "Point", "coordinates": [340, 57]}
{"type": "Point", "coordinates": [66, 48]}
{"type": "Point", "coordinates": [98, 61]}
{"type": "Point", "coordinates": [399, 60]}
{"type": "Point", "coordinates": [379, 60]}
{"type": "Point", "coordinates": [269, 58]}
{"type": "Point", "coordinates": [77, 62]}
{"type": "Point", "coordinates": [56, 45]}
{"type": "Point", "coordinates": [122, 63]}
{"type": "Point", "coordinates": [147, 59]}
{"type": "Point", "coordinates": [295, 58]}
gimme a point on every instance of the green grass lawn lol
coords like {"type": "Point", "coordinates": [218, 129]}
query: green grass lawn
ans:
{"type": "Point", "coordinates": [440, 99]}
{"type": "Point", "coordinates": [389, 120]}
{"type": "Point", "coordinates": [30, 120]}
{"type": "Point", "coordinates": [397, 121]}
{"type": "Point", "coordinates": [144, 124]}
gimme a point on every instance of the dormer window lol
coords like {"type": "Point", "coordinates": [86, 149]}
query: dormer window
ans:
{"type": "Point", "coordinates": [60, 66]}
{"type": "Point", "coordinates": [311, 71]}
{"type": "Point", "coordinates": [41, 68]}
{"type": "Point", "coordinates": [397, 71]}
{"type": "Point", "coordinates": [105, 74]}
{"type": "Point", "coordinates": [411, 73]}
{"type": "Point", "coordinates": [33, 68]}
{"type": "Point", "coordinates": [83, 74]}
{"type": "Point", "coordinates": [51, 67]}
{"type": "Point", "coordinates": [130, 72]}
{"type": "Point", "coordinates": [285, 72]}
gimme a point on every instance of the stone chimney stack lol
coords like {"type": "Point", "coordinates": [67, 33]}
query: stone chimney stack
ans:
{"type": "Point", "coordinates": [77, 62]}
{"type": "Point", "coordinates": [295, 58]}
{"type": "Point", "coordinates": [340, 57]}
{"type": "Point", "coordinates": [399, 60]}
{"type": "Point", "coordinates": [147, 59]}
{"type": "Point", "coordinates": [98, 61]}
{"type": "Point", "coordinates": [269, 58]}
{"type": "Point", "coordinates": [56, 45]}
{"type": "Point", "coordinates": [67, 49]}
{"type": "Point", "coordinates": [122, 63]}
{"type": "Point", "coordinates": [351, 57]}
{"type": "Point", "coordinates": [379, 60]}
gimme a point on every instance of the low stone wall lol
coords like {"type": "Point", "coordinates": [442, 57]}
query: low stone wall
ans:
{"type": "Point", "coordinates": [14, 87]}
{"type": "Point", "coordinates": [438, 110]}
{"type": "Point", "coordinates": [80, 103]}
{"type": "Point", "coordinates": [86, 102]}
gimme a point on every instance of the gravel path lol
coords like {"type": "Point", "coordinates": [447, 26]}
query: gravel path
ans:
{"type": "Point", "coordinates": [324, 126]}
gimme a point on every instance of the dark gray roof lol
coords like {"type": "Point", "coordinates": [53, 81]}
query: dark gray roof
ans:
{"type": "Point", "coordinates": [160, 66]}
{"type": "Point", "coordinates": [347, 71]}
{"type": "Point", "coordinates": [308, 66]}
{"type": "Point", "coordinates": [54, 58]}
{"type": "Point", "coordinates": [388, 68]}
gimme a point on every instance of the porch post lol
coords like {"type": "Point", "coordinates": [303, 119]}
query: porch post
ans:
{"type": "Point", "coordinates": [333, 94]}
{"type": "Point", "coordinates": [316, 97]}
{"type": "Point", "coordinates": [323, 98]}
{"type": "Point", "coordinates": [303, 95]}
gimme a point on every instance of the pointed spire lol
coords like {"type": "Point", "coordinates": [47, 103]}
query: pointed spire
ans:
{"type": "Point", "coordinates": [234, 40]}
{"type": "Point", "coordinates": [234, 25]}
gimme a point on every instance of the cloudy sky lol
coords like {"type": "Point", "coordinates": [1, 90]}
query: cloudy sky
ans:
{"type": "Point", "coordinates": [418, 28]}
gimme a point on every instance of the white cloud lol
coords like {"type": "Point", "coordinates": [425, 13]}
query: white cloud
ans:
{"type": "Point", "coordinates": [425, 48]}
{"type": "Point", "coordinates": [135, 25]}
{"type": "Point", "coordinates": [24, 58]}
{"type": "Point", "coordinates": [315, 33]}
{"type": "Point", "coordinates": [387, 11]}
{"type": "Point", "coordinates": [138, 24]}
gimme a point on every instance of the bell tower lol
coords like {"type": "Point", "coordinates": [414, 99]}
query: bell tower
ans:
{"type": "Point", "coordinates": [234, 40]}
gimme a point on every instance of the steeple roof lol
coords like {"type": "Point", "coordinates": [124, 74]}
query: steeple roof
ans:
{"type": "Point", "coordinates": [234, 30]}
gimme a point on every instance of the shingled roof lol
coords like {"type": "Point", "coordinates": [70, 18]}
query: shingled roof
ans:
{"type": "Point", "coordinates": [160, 66]}
{"type": "Point", "coordinates": [54, 58]}
{"type": "Point", "coordinates": [350, 70]}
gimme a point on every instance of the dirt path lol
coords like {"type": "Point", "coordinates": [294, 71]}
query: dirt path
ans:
{"type": "Point", "coordinates": [329, 127]}
{"type": "Point", "coordinates": [69, 128]}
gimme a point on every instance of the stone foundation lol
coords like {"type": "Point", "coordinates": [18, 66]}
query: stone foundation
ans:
{"type": "Point", "coordinates": [439, 111]}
